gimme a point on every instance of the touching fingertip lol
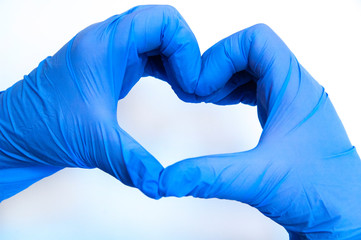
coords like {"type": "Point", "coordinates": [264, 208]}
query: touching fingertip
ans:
{"type": "Point", "coordinates": [151, 189]}
{"type": "Point", "coordinates": [216, 70]}
{"type": "Point", "coordinates": [187, 67]}
{"type": "Point", "coordinates": [178, 181]}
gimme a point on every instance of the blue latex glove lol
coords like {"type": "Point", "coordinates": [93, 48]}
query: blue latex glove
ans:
{"type": "Point", "coordinates": [304, 173]}
{"type": "Point", "coordinates": [63, 114]}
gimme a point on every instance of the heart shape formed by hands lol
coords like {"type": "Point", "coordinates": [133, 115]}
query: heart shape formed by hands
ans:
{"type": "Point", "coordinates": [63, 114]}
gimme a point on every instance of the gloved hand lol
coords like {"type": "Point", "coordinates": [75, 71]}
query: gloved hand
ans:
{"type": "Point", "coordinates": [63, 114]}
{"type": "Point", "coordinates": [304, 173]}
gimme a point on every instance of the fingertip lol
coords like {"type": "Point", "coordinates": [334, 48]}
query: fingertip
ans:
{"type": "Point", "coordinates": [150, 184]}
{"type": "Point", "coordinates": [162, 28]}
{"type": "Point", "coordinates": [146, 176]}
{"type": "Point", "coordinates": [185, 66]}
{"type": "Point", "coordinates": [123, 157]}
{"type": "Point", "coordinates": [191, 177]}
{"type": "Point", "coordinates": [180, 47]}
{"type": "Point", "coordinates": [217, 68]}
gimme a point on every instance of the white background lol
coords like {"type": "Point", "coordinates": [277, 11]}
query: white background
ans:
{"type": "Point", "coordinates": [88, 204]}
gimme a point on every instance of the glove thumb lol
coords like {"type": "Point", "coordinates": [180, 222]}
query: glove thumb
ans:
{"type": "Point", "coordinates": [236, 176]}
{"type": "Point", "coordinates": [118, 154]}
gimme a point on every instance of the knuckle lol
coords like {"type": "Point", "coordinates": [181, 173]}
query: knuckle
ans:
{"type": "Point", "coordinates": [262, 47]}
{"type": "Point", "coordinates": [167, 9]}
{"type": "Point", "coordinates": [262, 27]}
{"type": "Point", "coordinates": [261, 31]}
{"type": "Point", "coordinates": [159, 13]}
{"type": "Point", "coordinates": [168, 12]}
{"type": "Point", "coordinates": [154, 10]}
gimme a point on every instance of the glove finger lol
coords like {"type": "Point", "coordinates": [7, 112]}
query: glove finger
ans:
{"type": "Point", "coordinates": [118, 154]}
{"type": "Point", "coordinates": [108, 58]}
{"type": "Point", "coordinates": [280, 79]}
{"type": "Point", "coordinates": [237, 176]}
{"type": "Point", "coordinates": [245, 94]}
{"type": "Point", "coordinates": [162, 39]}
{"type": "Point", "coordinates": [159, 67]}
{"type": "Point", "coordinates": [239, 88]}
{"type": "Point", "coordinates": [257, 50]}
